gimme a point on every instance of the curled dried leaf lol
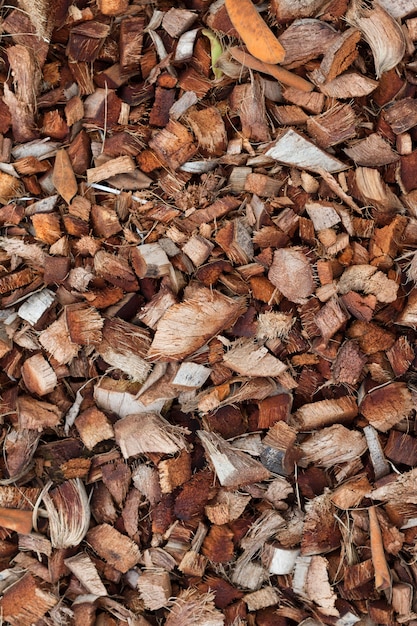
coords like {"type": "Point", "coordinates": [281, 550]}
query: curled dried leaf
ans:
{"type": "Point", "coordinates": [381, 31]}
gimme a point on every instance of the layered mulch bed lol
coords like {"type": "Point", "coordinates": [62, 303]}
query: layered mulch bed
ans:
{"type": "Point", "coordinates": [208, 313]}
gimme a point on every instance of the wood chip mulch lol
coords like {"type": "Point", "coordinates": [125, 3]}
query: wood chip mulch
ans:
{"type": "Point", "coordinates": [208, 311]}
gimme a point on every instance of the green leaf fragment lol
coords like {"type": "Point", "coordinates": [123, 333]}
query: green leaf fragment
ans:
{"type": "Point", "coordinates": [216, 51]}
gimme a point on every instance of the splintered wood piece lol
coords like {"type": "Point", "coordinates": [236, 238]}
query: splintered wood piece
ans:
{"type": "Point", "coordinates": [277, 560]}
{"type": "Point", "coordinates": [349, 85]}
{"type": "Point", "coordinates": [380, 464]}
{"type": "Point", "coordinates": [218, 546]}
{"type": "Point", "coordinates": [248, 103]}
{"type": "Point", "coordinates": [399, 9]}
{"type": "Point", "coordinates": [227, 507]}
{"type": "Point", "coordinates": [383, 34]}
{"type": "Point", "coordinates": [325, 412]}
{"type": "Point", "coordinates": [213, 212]}
{"type": "Point", "coordinates": [57, 343]}
{"type": "Point", "coordinates": [248, 572]}
{"type": "Point", "coordinates": [38, 375]}
{"type": "Point", "coordinates": [292, 274]}
{"type": "Point", "coordinates": [373, 151]}
{"type": "Point", "coordinates": [174, 472]}
{"type": "Point", "coordinates": [47, 227]}
{"type": "Point", "coordinates": [289, 10]}
{"type": "Point", "coordinates": [401, 355]}
{"type": "Point", "coordinates": [148, 433]}
{"type": "Point", "coordinates": [311, 581]}
{"type": "Point", "coordinates": [320, 533]}
{"type": "Point", "coordinates": [86, 40]}
{"type": "Point", "coordinates": [371, 337]}
{"type": "Point", "coordinates": [401, 489]}
{"type": "Point", "coordinates": [293, 149]}
{"type": "Point", "coordinates": [287, 115]}
{"type": "Point", "coordinates": [173, 145]}
{"type": "Point", "coordinates": [116, 270]}
{"type": "Point", "coordinates": [349, 363]}
{"type": "Point", "coordinates": [312, 102]}
{"type": "Point", "coordinates": [33, 566]}
{"type": "Point", "coordinates": [207, 312]}
{"type": "Point", "coordinates": [322, 214]}
{"type": "Point", "coordinates": [36, 414]}
{"type": "Point", "coordinates": [84, 324]}
{"type": "Point", "coordinates": [152, 312]}
{"type": "Point", "coordinates": [262, 185]}
{"type": "Point", "coordinates": [189, 603]}
{"type": "Point", "coordinates": [15, 280]}
{"type": "Point", "coordinates": [387, 406]}
{"type": "Point", "coordinates": [119, 165]}
{"type": "Point", "coordinates": [198, 249]}
{"type": "Point", "coordinates": [131, 41]}
{"type": "Point", "coordinates": [333, 126]}
{"type": "Point", "coordinates": [105, 221]}
{"type": "Point", "coordinates": [93, 426]}
{"type": "Point", "coordinates": [74, 111]}
{"type": "Point", "coordinates": [250, 389]}
{"type": "Point", "coordinates": [10, 187]}
{"type": "Point", "coordinates": [22, 102]}
{"type": "Point", "coordinates": [401, 448]}
{"type": "Point", "coordinates": [177, 21]}
{"type": "Point", "coordinates": [63, 176]}
{"type": "Point", "coordinates": [19, 448]}
{"type": "Point", "coordinates": [25, 602]}
{"type": "Point", "coordinates": [366, 278]}
{"type": "Point", "coordinates": [125, 346]}
{"type": "Point", "coordinates": [233, 467]}
{"type": "Point", "coordinates": [304, 40]}
{"type": "Point", "coordinates": [16, 520]}
{"type": "Point", "coordinates": [209, 129]}
{"type": "Point", "coordinates": [190, 376]}
{"type": "Point", "coordinates": [402, 598]}
{"type": "Point", "coordinates": [375, 191]}
{"type": "Point", "coordinates": [268, 596]}
{"type": "Point", "coordinates": [351, 493]}
{"type": "Point", "coordinates": [408, 316]}
{"type": "Point", "coordinates": [330, 319]}
{"type": "Point", "coordinates": [145, 479]}
{"type": "Point", "coordinates": [116, 549]}
{"type": "Point", "coordinates": [385, 241]}
{"type": "Point", "coordinates": [333, 445]}
{"type": "Point", "coordinates": [149, 260]}
{"type": "Point", "coordinates": [338, 57]}
{"type": "Point", "coordinates": [358, 574]}
{"type": "Point", "coordinates": [121, 397]}
{"type": "Point", "coordinates": [248, 359]}
{"type": "Point", "coordinates": [274, 409]}
{"type": "Point", "coordinates": [155, 588]}
{"type": "Point", "coordinates": [84, 569]}
{"type": "Point", "coordinates": [235, 240]}
{"type": "Point", "coordinates": [113, 7]}
{"type": "Point", "coordinates": [278, 491]}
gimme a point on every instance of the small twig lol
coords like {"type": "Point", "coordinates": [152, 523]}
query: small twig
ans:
{"type": "Point", "coordinates": [284, 76]}
{"type": "Point", "coordinates": [382, 573]}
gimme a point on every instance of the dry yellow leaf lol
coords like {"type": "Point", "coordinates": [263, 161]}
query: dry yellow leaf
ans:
{"type": "Point", "coordinates": [63, 177]}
